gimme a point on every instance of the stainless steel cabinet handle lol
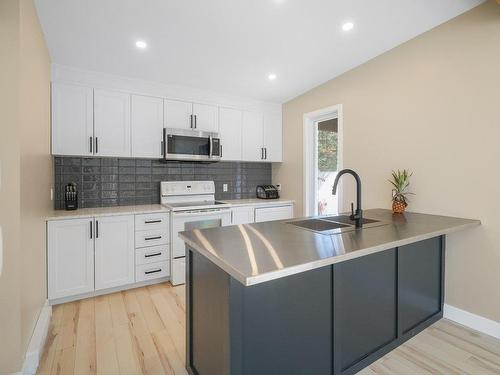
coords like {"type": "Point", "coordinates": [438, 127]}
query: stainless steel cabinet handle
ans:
{"type": "Point", "coordinates": [195, 118]}
{"type": "Point", "coordinates": [262, 153]}
{"type": "Point", "coordinates": [220, 150]}
{"type": "Point", "coordinates": [91, 144]}
{"type": "Point", "coordinates": [96, 145]}
{"type": "Point", "coordinates": [91, 236]}
{"type": "Point", "coordinates": [152, 238]}
{"type": "Point", "coordinates": [153, 271]}
{"type": "Point", "coordinates": [191, 121]}
{"type": "Point", "coordinates": [97, 229]}
{"type": "Point", "coordinates": [152, 255]}
{"type": "Point", "coordinates": [265, 153]}
{"type": "Point", "coordinates": [152, 221]}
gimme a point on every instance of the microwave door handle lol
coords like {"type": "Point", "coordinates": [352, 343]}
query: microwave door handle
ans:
{"type": "Point", "coordinates": [210, 146]}
{"type": "Point", "coordinates": [165, 146]}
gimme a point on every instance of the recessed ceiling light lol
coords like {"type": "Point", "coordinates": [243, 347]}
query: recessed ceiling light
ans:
{"type": "Point", "coordinates": [141, 44]}
{"type": "Point", "coordinates": [272, 76]}
{"type": "Point", "coordinates": [347, 26]}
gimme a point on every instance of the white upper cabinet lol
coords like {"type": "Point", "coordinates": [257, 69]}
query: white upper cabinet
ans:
{"type": "Point", "coordinates": [178, 115]}
{"type": "Point", "coordinates": [205, 117]}
{"type": "Point", "coordinates": [72, 119]}
{"type": "Point", "coordinates": [147, 126]}
{"type": "Point", "coordinates": [114, 251]}
{"type": "Point", "coordinates": [99, 122]}
{"type": "Point", "coordinates": [111, 123]}
{"type": "Point", "coordinates": [252, 136]}
{"type": "Point", "coordinates": [273, 138]}
{"type": "Point", "coordinates": [230, 130]}
{"type": "Point", "coordinates": [70, 257]}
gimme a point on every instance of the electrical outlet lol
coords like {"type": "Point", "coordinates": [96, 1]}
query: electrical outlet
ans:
{"type": "Point", "coordinates": [224, 188]}
{"type": "Point", "coordinates": [278, 186]}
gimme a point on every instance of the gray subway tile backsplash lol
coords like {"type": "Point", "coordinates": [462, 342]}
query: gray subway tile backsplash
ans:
{"type": "Point", "coordinates": [107, 182]}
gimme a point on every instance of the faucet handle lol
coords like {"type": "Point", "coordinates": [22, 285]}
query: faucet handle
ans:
{"type": "Point", "coordinates": [352, 210]}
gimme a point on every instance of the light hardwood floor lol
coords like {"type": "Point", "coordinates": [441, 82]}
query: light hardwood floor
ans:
{"type": "Point", "coordinates": [141, 331]}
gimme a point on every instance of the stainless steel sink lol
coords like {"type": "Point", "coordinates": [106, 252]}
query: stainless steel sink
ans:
{"type": "Point", "coordinates": [329, 225]}
{"type": "Point", "coordinates": [345, 219]}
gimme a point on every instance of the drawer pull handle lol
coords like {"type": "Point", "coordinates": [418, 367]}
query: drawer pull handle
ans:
{"type": "Point", "coordinates": [152, 255]}
{"type": "Point", "coordinates": [152, 238]}
{"type": "Point", "coordinates": [153, 271]}
{"type": "Point", "coordinates": [152, 221]}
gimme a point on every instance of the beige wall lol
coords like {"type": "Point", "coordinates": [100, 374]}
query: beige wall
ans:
{"type": "Point", "coordinates": [10, 319]}
{"type": "Point", "coordinates": [36, 165]}
{"type": "Point", "coordinates": [431, 105]}
{"type": "Point", "coordinates": [26, 176]}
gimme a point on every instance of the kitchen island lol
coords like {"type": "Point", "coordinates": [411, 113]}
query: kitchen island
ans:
{"type": "Point", "coordinates": [275, 298]}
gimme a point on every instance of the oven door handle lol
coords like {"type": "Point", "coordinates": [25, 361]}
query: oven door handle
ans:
{"type": "Point", "coordinates": [201, 213]}
{"type": "Point", "coordinates": [210, 146]}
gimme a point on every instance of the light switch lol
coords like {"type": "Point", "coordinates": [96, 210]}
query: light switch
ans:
{"type": "Point", "coordinates": [224, 188]}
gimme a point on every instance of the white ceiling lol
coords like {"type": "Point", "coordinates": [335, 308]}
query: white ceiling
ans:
{"type": "Point", "coordinates": [231, 46]}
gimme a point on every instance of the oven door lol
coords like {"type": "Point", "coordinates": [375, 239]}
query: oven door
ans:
{"type": "Point", "coordinates": [182, 221]}
{"type": "Point", "coordinates": [191, 145]}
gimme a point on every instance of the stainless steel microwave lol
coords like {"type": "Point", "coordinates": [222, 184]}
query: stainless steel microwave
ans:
{"type": "Point", "coordinates": [179, 144]}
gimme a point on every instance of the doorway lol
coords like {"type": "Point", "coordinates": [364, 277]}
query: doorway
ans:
{"type": "Point", "coordinates": [322, 160]}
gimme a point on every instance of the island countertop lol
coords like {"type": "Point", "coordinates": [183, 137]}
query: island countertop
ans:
{"type": "Point", "coordinates": [260, 252]}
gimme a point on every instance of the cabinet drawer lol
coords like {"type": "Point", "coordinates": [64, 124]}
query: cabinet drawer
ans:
{"type": "Point", "coordinates": [147, 255]}
{"type": "Point", "coordinates": [242, 215]}
{"type": "Point", "coordinates": [152, 222]}
{"type": "Point", "coordinates": [152, 271]}
{"type": "Point", "coordinates": [273, 213]}
{"type": "Point", "coordinates": [149, 238]}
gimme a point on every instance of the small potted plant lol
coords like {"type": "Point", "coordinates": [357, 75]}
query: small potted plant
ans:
{"type": "Point", "coordinates": [400, 181]}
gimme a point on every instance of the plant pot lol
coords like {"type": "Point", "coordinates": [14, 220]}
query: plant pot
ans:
{"type": "Point", "coordinates": [398, 207]}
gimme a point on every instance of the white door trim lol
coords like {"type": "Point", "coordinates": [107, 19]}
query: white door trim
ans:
{"type": "Point", "coordinates": [310, 119]}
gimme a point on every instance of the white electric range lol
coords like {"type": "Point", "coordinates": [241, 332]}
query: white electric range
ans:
{"type": "Point", "coordinates": [193, 206]}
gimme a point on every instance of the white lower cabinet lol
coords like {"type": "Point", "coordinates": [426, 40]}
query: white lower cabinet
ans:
{"type": "Point", "coordinates": [70, 259]}
{"type": "Point", "coordinates": [273, 213]}
{"type": "Point", "coordinates": [114, 251]}
{"type": "Point", "coordinates": [100, 253]}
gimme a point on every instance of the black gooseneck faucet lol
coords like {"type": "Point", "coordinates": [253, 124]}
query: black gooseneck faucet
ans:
{"type": "Point", "coordinates": [358, 215]}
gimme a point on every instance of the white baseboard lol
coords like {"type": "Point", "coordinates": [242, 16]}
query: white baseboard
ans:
{"type": "Point", "coordinates": [476, 322]}
{"type": "Point", "coordinates": [37, 342]}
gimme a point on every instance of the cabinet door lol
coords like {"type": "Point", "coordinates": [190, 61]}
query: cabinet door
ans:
{"type": "Point", "coordinates": [114, 251]}
{"type": "Point", "coordinates": [273, 138]}
{"type": "Point", "coordinates": [111, 123]}
{"type": "Point", "coordinates": [70, 257]}
{"type": "Point", "coordinates": [242, 215]}
{"type": "Point", "coordinates": [72, 120]}
{"type": "Point", "coordinates": [205, 117]}
{"type": "Point", "coordinates": [420, 282]}
{"type": "Point", "coordinates": [230, 123]}
{"type": "Point", "coordinates": [273, 213]}
{"type": "Point", "coordinates": [365, 308]}
{"type": "Point", "coordinates": [178, 114]}
{"type": "Point", "coordinates": [252, 136]}
{"type": "Point", "coordinates": [147, 126]}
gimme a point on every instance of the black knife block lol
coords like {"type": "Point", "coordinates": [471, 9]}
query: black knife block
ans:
{"type": "Point", "coordinates": [71, 197]}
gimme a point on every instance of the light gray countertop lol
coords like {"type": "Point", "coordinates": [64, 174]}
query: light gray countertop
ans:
{"type": "Point", "coordinates": [150, 208]}
{"type": "Point", "coordinates": [106, 211]}
{"type": "Point", "coordinates": [260, 252]}
{"type": "Point", "coordinates": [258, 202]}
